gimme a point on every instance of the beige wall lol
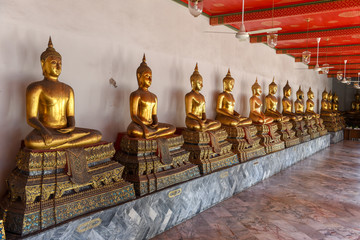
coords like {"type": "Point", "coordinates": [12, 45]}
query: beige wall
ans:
{"type": "Point", "coordinates": [103, 39]}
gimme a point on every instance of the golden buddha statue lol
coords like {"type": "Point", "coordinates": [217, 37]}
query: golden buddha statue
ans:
{"type": "Point", "coordinates": [329, 98]}
{"type": "Point", "coordinates": [355, 105]}
{"type": "Point", "coordinates": [287, 104]}
{"type": "Point", "coordinates": [310, 105]}
{"type": "Point", "coordinates": [225, 112]}
{"type": "Point", "coordinates": [143, 109]}
{"type": "Point", "coordinates": [299, 104]}
{"type": "Point", "coordinates": [50, 109]}
{"type": "Point", "coordinates": [335, 103]}
{"type": "Point", "coordinates": [256, 115]}
{"type": "Point", "coordinates": [325, 105]}
{"type": "Point", "coordinates": [271, 104]}
{"type": "Point", "coordinates": [195, 106]}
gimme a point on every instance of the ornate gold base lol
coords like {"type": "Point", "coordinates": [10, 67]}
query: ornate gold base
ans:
{"type": "Point", "coordinates": [301, 130]}
{"type": "Point", "coordinates": [312, 128]}
{"type": "Point", "coordinates": [332, 123]}
{"type": "Point", "coordinates": [203, 151]}
{"type": "Point", "coordinates": [246, 147]}
{"type": "Point", "coordinates": [45, 190]}
{"type": "Point", "coordinates": [147, 170]}
{"type": "Point", "coordinates": [270, 139]}
{"type": "Point", "coordinates": [287, 134]}
{"type": "Point", "coordinates": [24, 219]}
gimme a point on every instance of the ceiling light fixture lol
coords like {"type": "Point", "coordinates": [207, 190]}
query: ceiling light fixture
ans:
{"type": "Point", "coordinates": [344, 80]}
{"type": "Point", "coordinates": [317, 68]}
{"type": "Point", "coordinates": [272, 37]}
{"type": "Point", "coordinates": [195, 7]}
{"type": "Point", "coordinates": [326, 66]}
{"type": "Point", "coordinates": [306, 54]}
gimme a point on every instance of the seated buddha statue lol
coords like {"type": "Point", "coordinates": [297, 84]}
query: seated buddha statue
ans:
{"type": "Point", "coordinates": [195, 106]}
{"type": "Point", "coordinates": [299, 104]}
{"type": "Point", "coordinates": [50, 109]}
{"type": "Point", "coordinates": [271, 104]}
{"type": "Point", "coordinates": [225, 112]}
{"type": "Point", "coordinates": [287, 104]}
{"type": "Point", "coordinates": [335, 103]}
{"type": "Point", "coordinates": [256, 115]}
{"type": "Point", "coordinates": [143, 109]}
{"type": "Point", "coordinates": [310, 105]}
{"type": "Point", "coordinates": [325, 104]}
{"type": "Point", "coordinates": [330, 101]}
{"type": "Point", "coordinates": [355, 105]}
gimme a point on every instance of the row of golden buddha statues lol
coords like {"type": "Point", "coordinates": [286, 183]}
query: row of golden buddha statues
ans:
{"type": "Point", "coordinates": [63, 171]}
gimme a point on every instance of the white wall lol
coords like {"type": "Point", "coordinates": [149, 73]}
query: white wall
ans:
{"type": "Point", "coordinates": [103, 39]}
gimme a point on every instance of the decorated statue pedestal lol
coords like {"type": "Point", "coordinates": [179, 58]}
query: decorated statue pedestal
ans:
{"type": "Point", "coordinates": [312, 128]}
{"type": "Point", "coordinates": [245, 142]}
{"type": "Point", "coordinates": [331, 123]}
{"type": "Point", "coordinates": [301, 130]}
{"type": "Point", "coordinates": [270, 139]}
{"type": "Point", "coordinates": [321, 127]}
{"type": "Point", "coordinates": [51, 186]}
{"type": "Point", "coordinates": [154, 164]}
{"type": "Point", "coordinates": [209, 150]}
{"type": "Point", "coordinates": [287, 134]}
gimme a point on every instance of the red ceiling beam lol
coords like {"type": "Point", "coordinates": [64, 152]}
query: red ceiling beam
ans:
{"type": "Point", "coordinates": [340, 48]}
{"type": "Point", "coordinates": [347, 75]}
{"type": "Point", "coordinates": [316, 7]}
{"type": "Point", "coordinates": [333, 58]}
{"type": "Point", "coordinates": [347, 31]}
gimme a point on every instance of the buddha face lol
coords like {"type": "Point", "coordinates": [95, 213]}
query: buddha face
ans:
{"type": "Point", "coordinates": [324, 95]}
{"type": "Point", "coordinates": [228, 85]}
{"type": "Point", "coordinates": [357, 97]}
{"type": "Point", "coordinates": [257, 91]}
{"type": "Point", "coordinates": [51, 67]}
{"type": "Point", "coordinates": [145, 79]}
{"type": "Point", "coordinates": [197, 84]}
{"type": "Point", "coordinates": [310, 95]}
{"type": "Point", "coordinates": [272, 89]}
{"type": "Point", "coordinates": [287, 92]}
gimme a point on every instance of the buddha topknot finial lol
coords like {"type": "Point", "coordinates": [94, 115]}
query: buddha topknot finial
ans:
{"type": "Point", "coordinates": [228, 76]}
{"type": "Point", "coordinates": [143, 67]}
{"type": "Point", "coordinates": [255, 85]}
{"type": "Point", "coordinates": [273, 83]}
{"type": "Point", "coordinates": [287, 86]}
{"type": "Point", "coordinates": [50, 51]}
{"type": "Point", "coordinates": [196, 75]}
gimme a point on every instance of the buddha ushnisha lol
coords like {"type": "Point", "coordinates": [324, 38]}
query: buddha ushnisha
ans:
{"type": "Point", "coordinates": [195, 106]}
{"type": "Point", "coordinates": [143, 109]}
{"type": "Point", "coordinates": [225, 112]}
{"type": "Point", "coordinates": [271, 104]}
{"type": "Point", "coordinates": [50, 109]}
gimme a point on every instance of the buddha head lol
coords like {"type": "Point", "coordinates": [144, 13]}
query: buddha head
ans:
{"type": "Point", "coordinates": [272, 87]}
{"type": "Point", "coordinates": [329, 97]}
{"type": "Point", "coordinates": [324, 95]}
{"type": "Point", "coordinates": [335, 98]}
{"type": "Point", "coordinates": [256, 89]}
{"type": "Point", "coordinates": [287, 90]}
{"type": "Point", "coordinates": [310, 94]}
{"type": "Point", "coordinates": [196, 80]}
{"type": "Point", "coordinates": [300, 94]}
{"type": "Point", "coordinates": [228, 82]}
{"type": "Point", "coordinates": [357, 97]}
{"type": "Point", "coordinates": [51, 62]}
{"type": "Point", "coordinates": [144, 74]}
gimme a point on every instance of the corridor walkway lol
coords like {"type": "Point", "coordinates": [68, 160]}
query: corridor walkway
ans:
{"type": "Point", "coordinates": [317, 198]}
